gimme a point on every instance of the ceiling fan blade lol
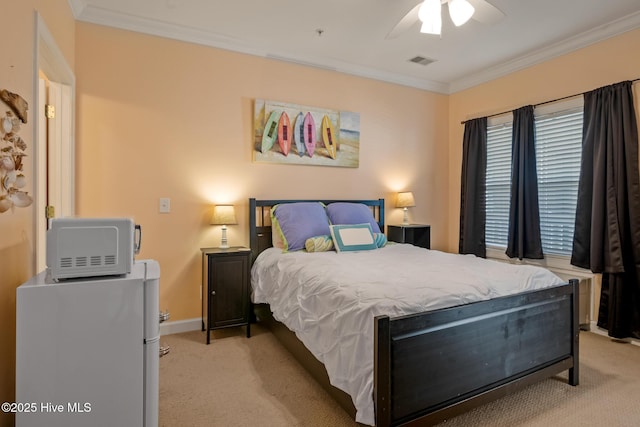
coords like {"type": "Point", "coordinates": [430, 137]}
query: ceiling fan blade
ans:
{"type": "Point", "coordinates": [486, 12]}
{"type": "Point", "coordinates": [405, 23]}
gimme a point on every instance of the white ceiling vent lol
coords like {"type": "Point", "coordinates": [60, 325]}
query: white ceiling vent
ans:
{"type": "Point", "coordinates": [421, 60]}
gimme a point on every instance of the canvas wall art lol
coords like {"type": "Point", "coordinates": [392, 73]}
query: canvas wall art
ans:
{"type": "Point", "coordinates": [298, 134]}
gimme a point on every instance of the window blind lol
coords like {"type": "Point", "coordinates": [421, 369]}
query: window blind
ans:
{"type": "Point", "coordinates": [498, 184]}
{"type": "Point", "coordinates": [558, 152]}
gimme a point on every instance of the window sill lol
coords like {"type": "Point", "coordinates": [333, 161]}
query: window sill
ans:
{"type": "Point", "coordinates": [557, 263]}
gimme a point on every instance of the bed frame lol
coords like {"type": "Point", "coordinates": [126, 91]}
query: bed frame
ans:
{"type": "Point", "coordinates": [431, 366]}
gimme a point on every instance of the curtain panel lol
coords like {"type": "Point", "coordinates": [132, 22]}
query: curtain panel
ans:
{"type": "Point", "coordinates": [607, 229]}
{"type": "Point", "coordinates": [524, 239]}
{"type": "Point", "coordinates": [473, 188]}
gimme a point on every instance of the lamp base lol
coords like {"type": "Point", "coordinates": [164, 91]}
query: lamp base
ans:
{"type": "Point", "coordinates": [405, 219]}
{"type": "Point", "coordinates": [223, 243]}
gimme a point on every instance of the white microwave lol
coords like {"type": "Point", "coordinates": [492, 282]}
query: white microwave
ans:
{"type": "Point", "coordinates": [87, 247]}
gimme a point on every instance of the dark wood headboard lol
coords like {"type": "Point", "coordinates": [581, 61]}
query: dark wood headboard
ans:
{"type": "Point", "coordinates": [260, 219]}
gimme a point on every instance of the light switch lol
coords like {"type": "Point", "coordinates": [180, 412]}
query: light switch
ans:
{"type": "Point", "coordinates": [165, 205]}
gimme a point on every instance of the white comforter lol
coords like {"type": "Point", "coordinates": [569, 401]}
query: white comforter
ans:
{"type": "Point", "coordinates": [330, 299]}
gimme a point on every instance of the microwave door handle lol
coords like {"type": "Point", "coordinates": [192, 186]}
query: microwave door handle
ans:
{"type": "Point", "coordinates": [137, 239]}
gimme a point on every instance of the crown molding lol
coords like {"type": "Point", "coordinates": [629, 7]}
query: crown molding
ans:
{"type": "Point", "coordinates": [77, 7]}
{"type": "Point", "coordinates": [95, 15]}
{"type": "Point", "coordinates": [100, 16]}
{"type": "Point", "coordinates": [366, 72]}
{"type": "Point", "coordinates": [595, 35]}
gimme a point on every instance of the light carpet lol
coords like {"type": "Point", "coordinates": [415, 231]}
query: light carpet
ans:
{"type": "Point", "coordinates": [239, 381]}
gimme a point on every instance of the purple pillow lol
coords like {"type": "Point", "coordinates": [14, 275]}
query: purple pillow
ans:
{"type": "Point", "coordinates": [351, 213]}
{"type": "Point", "coordinates": [296, 222]}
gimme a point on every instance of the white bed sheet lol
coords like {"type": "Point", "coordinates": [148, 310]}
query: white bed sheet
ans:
{"type": "Point", "coordinates": [330, 299]}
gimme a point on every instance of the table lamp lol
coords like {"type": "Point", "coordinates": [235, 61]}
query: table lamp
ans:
{"type": "Point", "coordinates": [405, 200]}
{"type": "Point", "coordinates": [224, 215]}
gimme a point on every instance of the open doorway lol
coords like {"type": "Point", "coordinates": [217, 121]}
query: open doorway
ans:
{"type": "Point", "coordinates": [55, 152]}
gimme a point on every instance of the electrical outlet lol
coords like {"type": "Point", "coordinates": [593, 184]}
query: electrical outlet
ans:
{"type": "Point", "coordinates": [165, 205]}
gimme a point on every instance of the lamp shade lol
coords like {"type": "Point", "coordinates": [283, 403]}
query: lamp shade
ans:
{"type": "Point", "coordinates": [405, 200]}
{"type": "Point", "coordinates": [223, 215]}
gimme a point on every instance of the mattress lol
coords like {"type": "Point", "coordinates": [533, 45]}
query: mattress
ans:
{"type": "Point", "coordinates": [329, 299]}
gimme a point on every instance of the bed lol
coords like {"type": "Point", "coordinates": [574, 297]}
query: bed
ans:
{"type": "Point", "coordinates": [428, 363]}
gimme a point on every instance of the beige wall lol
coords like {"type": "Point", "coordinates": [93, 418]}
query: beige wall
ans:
{"type": "Point", "coordinates": [16, 227]}
{"type": "Point", "coordinates": [610, 61]}
{"type": "Point", "coordinates": [162, 118]}
{"type": "Point", "coordinates": [186, 110]}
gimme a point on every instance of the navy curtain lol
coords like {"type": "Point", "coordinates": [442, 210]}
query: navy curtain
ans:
{"type": "Point", "coordinates": [607, 231]}
{"type": "Point", "coordinates": [473, 192]}
{"type": "Point", "coordinates": [524, 239]}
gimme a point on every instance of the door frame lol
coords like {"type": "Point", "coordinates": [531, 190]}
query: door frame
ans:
{"type": "Point", "coordinates": [48, 59]}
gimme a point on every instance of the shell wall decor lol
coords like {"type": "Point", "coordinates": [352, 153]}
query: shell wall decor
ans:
{"type": "Point", "coordinates": [12, 152]}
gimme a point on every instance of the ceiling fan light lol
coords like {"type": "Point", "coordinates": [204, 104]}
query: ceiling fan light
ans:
{"type": "Point", "coordinates": [431, 17]}
{"type": "Point", "coordinates": [433, 27]}
{"type": "Point", "coordinates": [460, 11]}
{"type": "Point", "coordinates": [429, 9]}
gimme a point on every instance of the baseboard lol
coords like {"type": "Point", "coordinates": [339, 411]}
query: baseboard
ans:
{"type": "Point", "coordinates": [600, 331]}
{"type": "Point", "coordinates": [178, 326]}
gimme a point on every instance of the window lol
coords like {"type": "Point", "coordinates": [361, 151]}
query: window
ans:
{"type": "Point", "coordinates": [558, 153]}
{"type": "Point", "coordinates": [558, 130]}
{"type": "Point", "coordinates": [498, 181]}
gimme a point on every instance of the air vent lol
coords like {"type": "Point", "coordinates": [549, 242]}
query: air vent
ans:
{"type": "Point", "coordinates": [110, 259]}
{"type": "Point", "coordinates": [96, 260]}
{"type": "Point", "coordinates": [421, 60]}
{"type": "Point", "coordinates": [66, 262]}
{"type": "Point", "coordinates": [81, 261]}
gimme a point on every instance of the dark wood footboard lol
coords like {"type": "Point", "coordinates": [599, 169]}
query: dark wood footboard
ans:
{"type": "Point", "coordinates": [432, 366]}
{"type": "Point", "coordinates": [435, 365]}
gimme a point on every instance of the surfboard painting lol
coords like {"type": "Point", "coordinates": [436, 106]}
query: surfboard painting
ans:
{"type": "Point", "coordinates": [297, 134]}
{"type": "Point", "coordinates": [309, 134]}
{"type": "Point", "coordinates": [328, 136]}
{"type": "Point", "coordinates": [284, 133]}
{"type": "Point", "coordinates": [270, 131]}
{"type": "Point", "coordinates": [319, 136]}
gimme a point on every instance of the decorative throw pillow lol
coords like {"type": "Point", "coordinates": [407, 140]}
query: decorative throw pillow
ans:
{"type": "Point", "coordinates": [351, 213]}
{"type": "Point", "coordinates": [380, 239]}
{"type": "Point", "coordinates": [356, 237]}
{"type": "Point", "coordinates": [319, 244]}
{"type": "Point", "coordinates": [276, 237]}
{"type": "Point", "coordinates": [296, 222]}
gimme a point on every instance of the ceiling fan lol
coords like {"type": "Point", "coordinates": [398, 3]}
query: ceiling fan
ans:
{"type": "Point", "coordinates": [430, 13]}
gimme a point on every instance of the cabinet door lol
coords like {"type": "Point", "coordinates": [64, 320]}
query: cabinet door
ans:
{"type": "Point", "coordinates": [395, 234]}
{"type": "Point", "coordinates": [229, 289]}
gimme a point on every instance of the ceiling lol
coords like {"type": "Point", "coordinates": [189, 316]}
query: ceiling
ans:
{"type": "Point", "coordinates": [349, 36]}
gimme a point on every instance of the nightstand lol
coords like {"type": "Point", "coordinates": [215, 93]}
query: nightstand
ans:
{"type": "Point", "coordinates": [415, 234]}
{"type": "Point", "coordinates": [225, 288]}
